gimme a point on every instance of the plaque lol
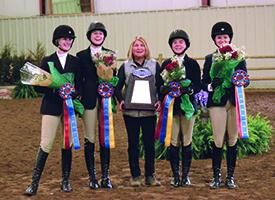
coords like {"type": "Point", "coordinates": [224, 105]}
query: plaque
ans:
{"type": "Point", "coordinates": [141, 94]}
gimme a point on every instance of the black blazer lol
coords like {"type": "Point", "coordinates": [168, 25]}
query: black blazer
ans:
{"type": "Point", "coordinates": [90, 78]}
{"type": "Point", "coordinates": [52, 103]}
{"type": "Point", "coordinates": [206, 80]}
{"type": "Point", "coordinates": [193, 73]}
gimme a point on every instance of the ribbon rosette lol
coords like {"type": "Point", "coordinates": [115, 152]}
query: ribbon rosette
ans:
{"type": "Point", "coordinates": [33, 75]}
{"type": "Point", "coordinates": [105, 89]}
{"type": "Point", "coordinates": [164, 126]}
{"type": "Point", "coordinates": [240, 78]}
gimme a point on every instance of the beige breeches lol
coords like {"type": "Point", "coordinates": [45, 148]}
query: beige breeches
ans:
{"type": "Point", "coordinates": [224, 119]}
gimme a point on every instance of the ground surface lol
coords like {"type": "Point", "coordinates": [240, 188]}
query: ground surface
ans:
{"type": "Point", "coordinates": [20, 124]}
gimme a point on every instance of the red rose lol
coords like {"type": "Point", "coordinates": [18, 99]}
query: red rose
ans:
{"type": "Point", "coordinates": [168, 67]}
{"type": "Point", "coordinates": [228, 48]}
{"type": "Point", "coordinates": [234, 55]}
{"type": "Point", "coordinates": [175, 64]}
{"type": "Point", "coordinates": [97, 55]}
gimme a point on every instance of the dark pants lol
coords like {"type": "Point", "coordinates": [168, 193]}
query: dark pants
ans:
{"type": "Point", "coordinates": [148, 127]}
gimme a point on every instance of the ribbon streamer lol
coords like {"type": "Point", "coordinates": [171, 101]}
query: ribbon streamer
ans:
{"type": "Point", "coordinates": [239, 79]}
{"type": "Point", "coordinates": [106, 128]}
{"type": "Point", "coordinates": [69, 116]}
{"type": "Point", "coordinates": [164, 126]}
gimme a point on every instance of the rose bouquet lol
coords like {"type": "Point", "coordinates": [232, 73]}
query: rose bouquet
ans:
{"type": "Point", "coordinates": [174, 71]}
{"type": "Point", "coordinates": [225, 61]}
{"type": "Point", "coordinates": [105, 62]}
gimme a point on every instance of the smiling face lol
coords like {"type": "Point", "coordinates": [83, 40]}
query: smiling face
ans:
{"type": "Point", "coordinates": [139, 50]}
{"type": "Point", "coordinates": [97, 37]}
{"type": "Point", "coordinates": [220, 40]}
{"type": "Point", "coordinates": [65, 43]}
{"type": "Point", "coordinates": [178, 45]}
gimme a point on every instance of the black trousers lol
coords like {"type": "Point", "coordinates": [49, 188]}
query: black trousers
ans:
{"type": "Point", "coordinates": [148, 128]}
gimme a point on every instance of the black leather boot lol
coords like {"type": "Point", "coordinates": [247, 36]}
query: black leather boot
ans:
{"type": "Point", "coordinates": [66, 169]}
{"type": "Point", "coordinates": [37, 171]}
{"type": "Point", "coordinates": [175, 165]}
{"type": "Point", "coordinates": [89, 149]}
{"type": "Point", "coordinates": [186, 163]}
{"type": "Point", "coordinates": [231, 156]}
{"type": "Point", "coordinates": [216, 165]}
{"type": "Point", "coordinates": [105, 163]}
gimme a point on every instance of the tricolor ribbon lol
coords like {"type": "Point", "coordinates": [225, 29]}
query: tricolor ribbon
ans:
{"type": "Point", "coordinates": [69, 116]}
{"type": "Point", "coordinates": [106, 126]}
{"type": "Point", "coordinates": [164, 126]}
{"type": "Point", "coordinates": [240, 78]}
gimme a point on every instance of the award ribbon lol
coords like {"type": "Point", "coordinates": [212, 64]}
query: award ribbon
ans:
{"type": "Point", "coordinates": [69, 116]}
{"type": "Point", "coordinates": [106, 126]}
{"type": "Point", "coordinates": [239, 79]}
{"type": "Point", "coordinates": [164, 126]}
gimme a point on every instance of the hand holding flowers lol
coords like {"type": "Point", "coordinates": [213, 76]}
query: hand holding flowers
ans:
{"type": "Point", "coordinates": [225, 61]}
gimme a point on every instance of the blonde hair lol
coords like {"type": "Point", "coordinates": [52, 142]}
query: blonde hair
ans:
{"type": "Point", "coordinates": [144, 42]}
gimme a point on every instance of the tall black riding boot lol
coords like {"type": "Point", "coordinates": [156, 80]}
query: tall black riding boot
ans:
{"type": "Point", "coordinates": [37, 171]}
{"type": "Point", "coordinates": [89, 149]}
{"type": "Point", "coordinates": [231, 156]}
{"type": "Point", "coordinates": [186, 163]}
{"type": "Point", "coordinates": [66, 169]}
{"type": "Point", "coordinates": [175, 165]}
{"type": "Point", "coordinates": [105, 163]}
{"type": "Point", "coordinates": [216, 165]}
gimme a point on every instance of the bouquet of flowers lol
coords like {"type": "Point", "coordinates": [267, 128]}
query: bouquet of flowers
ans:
{"type": "Point", "coordinates": [201, 98]}
{"type": "Point", "coordinates": [33, 75]}
{"type": "Point", "coordinates": [225, 61]}
{"type": "Point", "coordinates": [174, 71]}
{"type": "Point", "coordinates": [105, 61]}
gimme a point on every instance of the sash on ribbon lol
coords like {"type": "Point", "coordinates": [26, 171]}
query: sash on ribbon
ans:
{"type": "Point", "coordinates": [69, 116]}
{"type": "Point", "coordinates": [106, 126]}
{"type": "Point", "coordinates": [239, 79]}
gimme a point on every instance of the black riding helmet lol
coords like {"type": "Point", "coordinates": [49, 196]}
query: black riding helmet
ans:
{"type": "Point", "coordinates": [96, 26]}
{"type": "Point", "coordinates": [221, 28]}
{"type": "Point", "coordinates": [179, 34]}
{"type": "Point", "coordinates": [63, 31]}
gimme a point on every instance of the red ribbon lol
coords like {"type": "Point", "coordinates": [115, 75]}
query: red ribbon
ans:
{"type": "Point", "coordinates": [66, 126]}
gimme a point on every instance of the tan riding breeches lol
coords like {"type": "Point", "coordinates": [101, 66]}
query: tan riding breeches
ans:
{"type": "Point", "coordinates": [224, 120]}
{"type": "Point", "coordinates": [181, 124]}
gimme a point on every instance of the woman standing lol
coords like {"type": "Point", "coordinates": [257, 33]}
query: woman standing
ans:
{"type": "Point", "coordinates": [223, 114]}
{"type": "Point", "coordinates": [139, 56]}
{"type": "Point", "coordinates": [183, 119]}
{"type": "Point", "coordinates": [52, 107]}
{"type": "Point", "coordinates": [96, 34]}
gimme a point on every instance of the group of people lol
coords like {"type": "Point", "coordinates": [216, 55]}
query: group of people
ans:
{"type": "Point", "coordinates": [223, 115]}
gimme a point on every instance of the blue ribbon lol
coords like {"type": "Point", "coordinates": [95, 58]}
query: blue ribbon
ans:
{"type": "Point", "coordinates": [164, 119]}
{"type": "Point", "coordinates": [106, 121]}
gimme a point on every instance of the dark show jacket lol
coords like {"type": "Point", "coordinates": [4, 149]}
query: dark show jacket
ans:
{"type": "Point", "coordinates": [90, 78]}
{"type": "Point", "coordinates": [206, 80]}
{"type": "Point", "coordinates": [193, 73]}
{"type": "Point", "coordinates": [52, 103]}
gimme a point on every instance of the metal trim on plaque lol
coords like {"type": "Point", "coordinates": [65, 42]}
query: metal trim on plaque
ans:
{"type": "Point", "coordinates": [140, 95]}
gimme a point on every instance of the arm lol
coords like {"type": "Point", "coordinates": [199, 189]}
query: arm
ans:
{"type": "Point", "coordinates": [118, 89]}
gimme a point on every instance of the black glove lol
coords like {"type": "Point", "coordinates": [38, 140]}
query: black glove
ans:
{"type": "Point", "coordinates": [215, 83]}
{"type": "Point", "coordinates": [164, 89]}
{"type": "Point", "coordinates": [75, 95]}
{"type": "Point", "coordinates": [185, 90]}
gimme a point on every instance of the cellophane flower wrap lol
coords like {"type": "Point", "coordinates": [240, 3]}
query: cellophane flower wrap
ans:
{"type": "Point", "coordinates": [224, 63]}
{"type": "Point", "coordinates": [175, 72]}
{"type": "Point", "coordinates": [105, 62]}
{"type": "Point", "coordinates": [33, 75]}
